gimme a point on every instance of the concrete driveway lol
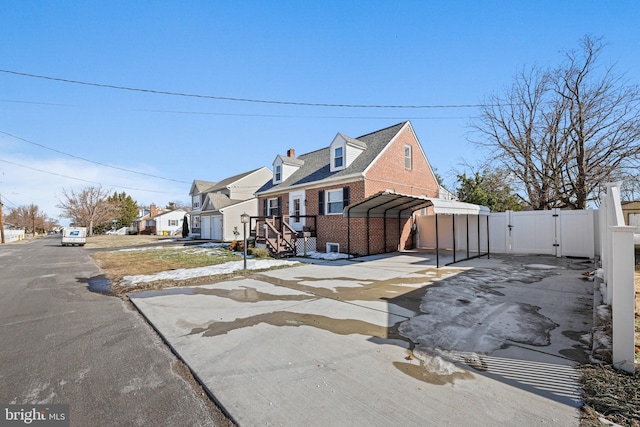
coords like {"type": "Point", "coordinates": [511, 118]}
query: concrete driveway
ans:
{"type": "Point", "coordinates": [387, 340]}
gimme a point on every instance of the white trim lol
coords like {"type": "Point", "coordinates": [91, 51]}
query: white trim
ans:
{"type": "Point", "coordinates": [326, 201]}
{"type": "Point", "coordinates": [315, 184]}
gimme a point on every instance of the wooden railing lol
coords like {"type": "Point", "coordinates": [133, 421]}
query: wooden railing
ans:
{"type": "Point", "coordinates": [277, 234]}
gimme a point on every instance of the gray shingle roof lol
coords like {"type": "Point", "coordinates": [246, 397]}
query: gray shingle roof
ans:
{"type": "Point", "coordinates": [223, 184]}
{"type": "Point", "coordinates": [316, 165]}
{"type": "Point", "coordinates": [221, 201]}
{"type": "Point", "coordinates": [201, 186]}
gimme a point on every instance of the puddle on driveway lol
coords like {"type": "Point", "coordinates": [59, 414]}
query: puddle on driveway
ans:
{"type": "Point", "coordinates": [100, 284]}
{"type": "Point", "coordinates": [406, 292]}
{"type": "Point", "coordinates": [249, 294]}
{"type": "Point", "coordinates": [289, 318]}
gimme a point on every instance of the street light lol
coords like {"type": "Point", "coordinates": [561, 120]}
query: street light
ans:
{"type": "Point", "coordinates": [244, 219]}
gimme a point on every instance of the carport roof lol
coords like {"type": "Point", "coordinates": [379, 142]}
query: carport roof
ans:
{"type": "Point", "coordinates": [391, 204]}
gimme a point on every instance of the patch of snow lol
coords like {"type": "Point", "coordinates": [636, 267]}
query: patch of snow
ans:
{"type": "Point", "coordinates": [189, 273]}
{"type": "Point", "coordinates": [603, 311]}
{"type": "Point", "coordinates": [542, 266]}
{"type": "Point", "coordinates": [435, 361]}
{"type": "Point", "coordinates": [331, 256]}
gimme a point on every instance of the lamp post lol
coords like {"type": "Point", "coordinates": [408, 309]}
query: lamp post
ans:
{"type": "Point", "coordinates": [244, 218]}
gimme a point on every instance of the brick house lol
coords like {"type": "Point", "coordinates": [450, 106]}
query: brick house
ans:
{"type": "Point", "coordinates": [308, 194]}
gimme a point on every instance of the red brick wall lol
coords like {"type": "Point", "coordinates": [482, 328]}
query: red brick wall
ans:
{"type": "Point", "coordinates": [389, 173]}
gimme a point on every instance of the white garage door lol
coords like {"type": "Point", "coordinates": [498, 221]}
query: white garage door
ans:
{"type": "Point", "coordinates": [216, 227]}
{"type": "Point", "coordinates": [205, 227]}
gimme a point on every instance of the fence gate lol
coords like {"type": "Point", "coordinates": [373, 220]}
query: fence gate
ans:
{"type": "Point", "coordinates": [534, 232]}
{"type": "Point", "coordinates": [554, 232]}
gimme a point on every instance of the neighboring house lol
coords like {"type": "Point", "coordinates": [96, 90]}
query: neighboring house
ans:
{"type": "Point", "coordinates": [217, 207]}
{"type": "Point", "coordinates": [159, 221]}
{"type": "Point", "coordinates": [308, 194]}
{"type": "Point", "coordinates": [631, 212]}
{"type": "Point", "coordinates": [198, 193]}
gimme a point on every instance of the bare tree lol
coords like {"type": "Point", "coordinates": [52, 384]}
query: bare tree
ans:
{"type": "Point", "coordinates": [88, 208]}
{"type": "Point", "coordinates": [564, 132]}
{"type": "Point", "coordinates": [28, 217]}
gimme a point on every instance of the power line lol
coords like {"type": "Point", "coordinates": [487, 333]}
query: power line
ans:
{"type": "Point", "coordinates": [81, 179]}
{"type": "Point", "coordinates": [15, 101]}
{"type": "Point", "coordinates": [5, 198]}
{"type": "Point", "coordinates": [287, 116]}
{"type": "Point", "coordinates": [91, 161]}
{"type": "Point", "coordinates": [226, 98]}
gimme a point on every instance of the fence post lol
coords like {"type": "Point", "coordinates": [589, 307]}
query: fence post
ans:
{"type": "Point", "coordinates": [623, 304]}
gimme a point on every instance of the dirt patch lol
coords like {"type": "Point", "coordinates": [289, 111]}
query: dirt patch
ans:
{"type": "Point", "coordinates": [610, 393]}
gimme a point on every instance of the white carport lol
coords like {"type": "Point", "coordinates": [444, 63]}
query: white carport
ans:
{"type": "Point", "coordinates": [389, 204]}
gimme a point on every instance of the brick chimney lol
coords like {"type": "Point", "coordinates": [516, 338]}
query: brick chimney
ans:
{"type": "Point", "coordinates": [291, 153]}
{"type": "Point", "coordinates": [152, 210]}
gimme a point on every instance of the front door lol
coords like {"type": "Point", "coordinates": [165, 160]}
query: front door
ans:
{"type": "Point", "coordinates": [296, 210]}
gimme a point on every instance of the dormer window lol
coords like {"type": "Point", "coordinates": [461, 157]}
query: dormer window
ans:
{"type": "Point", "coordinates": [278, 173]}
{"type": "Point", "coordinates": [338, 159]}
{"type": "Point", "coordinates": [343, 151]}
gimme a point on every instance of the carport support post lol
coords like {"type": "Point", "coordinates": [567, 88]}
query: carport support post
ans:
{"type": "Point", "coordinates": [479, 236]}
{"type": "Point", "coordinates": [622, 306]}
{"type": "Point", "coordinates": [488, 235]}
{"type": "Point", "coordinates": [467, 236]}
{"type": "Point", "coordinates": [453, 222]}
{"type": "Point", "coordinates": [437, 245]}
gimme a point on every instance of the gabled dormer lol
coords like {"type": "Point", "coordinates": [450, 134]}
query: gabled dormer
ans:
{"type": "Point", "coordinates": [343, 151]}
{"type": "Point", "coordinates": [285, 166]}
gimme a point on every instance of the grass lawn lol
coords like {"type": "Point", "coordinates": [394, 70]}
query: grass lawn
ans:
{"type": "Point", "coordinates": [133, 261]}
{"type": "Point", "coordinates": [103, 241]}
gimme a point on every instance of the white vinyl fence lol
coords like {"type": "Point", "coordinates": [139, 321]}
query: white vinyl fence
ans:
{"type": "Point", "coordinates": [554, 232]}
{"type": "Point", "coordinates": [618, 272]}
{"type": "Point", "coordinates": [13, 235]}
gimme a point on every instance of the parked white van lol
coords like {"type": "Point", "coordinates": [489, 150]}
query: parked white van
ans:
{"type": "Point", "coordinates": [72, 236]}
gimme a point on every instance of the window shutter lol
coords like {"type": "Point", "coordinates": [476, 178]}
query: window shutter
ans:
{"type": "Point", "coordinates": [265, 207]}
{"type": "Point", "coordinates": [321, 202]}
{"type": "Point", "coordinates": [345, 196]}
{"type": "Point", "coordinates": [279, 206]}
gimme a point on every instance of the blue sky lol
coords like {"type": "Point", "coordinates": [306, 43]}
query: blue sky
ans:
{"type": "Point", "coordinates": [425, 53]}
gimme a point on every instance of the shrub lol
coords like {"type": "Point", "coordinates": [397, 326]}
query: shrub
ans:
{"type": "Point", "coordinates": [260, 253]}
{"type": "Point", "coordinates": [236, 246]}
{"type": "Point", "coordinates": [133, 232]}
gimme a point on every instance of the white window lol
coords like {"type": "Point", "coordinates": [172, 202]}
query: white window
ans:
{"type": "Point", "coordinates": [335, 203]}
{"type": "Point", "coordinates": [272, 208]}
{"type": "Point", "coordinates": [407, 157]}
{"type": "Point", "coordinates": [173, 222]}
{"type": "Point", "coordinates": [338, 159]}
{"type": "Point", "coordinates": [278, 173]}
{"type": "Point", "coordinates": [195, 201]}
{"type": "Point", "coordinates": [196, 222]}
{"type": "Point", "coordinates": [296, 210]}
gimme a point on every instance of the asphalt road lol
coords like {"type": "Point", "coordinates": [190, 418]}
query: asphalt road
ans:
{"type": "Point", "coordinates": [62, 344]}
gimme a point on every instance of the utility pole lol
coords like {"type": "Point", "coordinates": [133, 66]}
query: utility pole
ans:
{"type": "Point", "coordinates": [1, 223]}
